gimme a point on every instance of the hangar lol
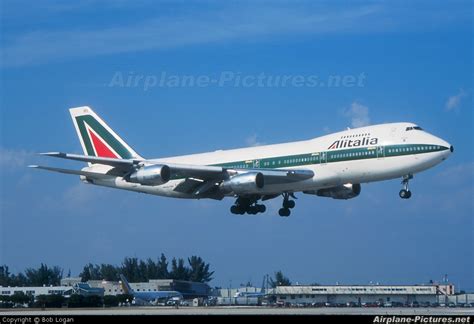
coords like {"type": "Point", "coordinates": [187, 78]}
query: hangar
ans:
{"type": "Point", "coordinates": [363, 295]}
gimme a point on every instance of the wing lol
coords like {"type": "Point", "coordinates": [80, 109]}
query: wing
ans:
{"type": "Point", "coordinates": [93, 175]}
{"type": "Point", "coordinates": [177, 170]}
{"type": "Point", "coordinates": [118, 163]}
{"type": "Point", "coordinates": [199, 179]}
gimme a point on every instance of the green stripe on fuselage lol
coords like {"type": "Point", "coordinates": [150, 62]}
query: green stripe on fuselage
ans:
{"type": "Point", "coordinates": [332, 156]}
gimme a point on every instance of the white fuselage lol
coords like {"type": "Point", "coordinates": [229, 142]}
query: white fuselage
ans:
{"type": "Point", "coordinates": [360, 155]}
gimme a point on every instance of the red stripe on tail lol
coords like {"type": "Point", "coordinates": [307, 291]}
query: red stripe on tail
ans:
{"type": "Point", "coordinates": [100, 148]}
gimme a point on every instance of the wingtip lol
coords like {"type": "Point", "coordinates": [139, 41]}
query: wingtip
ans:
{"type": "Point", "coordinates": [34, 166]}
{"type": "Point", "coordinates": [51, 153]}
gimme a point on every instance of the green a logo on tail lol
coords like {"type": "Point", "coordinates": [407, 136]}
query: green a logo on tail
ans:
{"type": "Point", "coordinates": [97, 138]}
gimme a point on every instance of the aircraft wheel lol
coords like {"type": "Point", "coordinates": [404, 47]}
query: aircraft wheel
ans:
{"type": "Point", "coordinates": [252, 210]}
{"type": "Point", "coordinates": [289, 204]}
{"type": "Point", "coordinates": [284, 212]}
{"type": "Point", "coordinates": [405, 194]}
{"type": "Point", "coordinates": [261, 208]}
{"type": "Point", "coordinates": [235, 209]}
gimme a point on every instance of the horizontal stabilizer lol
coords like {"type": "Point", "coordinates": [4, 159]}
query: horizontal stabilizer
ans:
{"type": "Point", "coordinates": [93, 159]}
{"type": "Point", "coordinates": [93, 175]}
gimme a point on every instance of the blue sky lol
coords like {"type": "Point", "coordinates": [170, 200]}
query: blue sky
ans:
{"type": "Point", "coordinates": [416, 59]}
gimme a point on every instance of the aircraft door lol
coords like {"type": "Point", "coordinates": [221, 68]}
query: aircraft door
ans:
{"type": "Point", "coordinates": [323, 158]}
{"type": "Point", "coordinates": [380, 152]}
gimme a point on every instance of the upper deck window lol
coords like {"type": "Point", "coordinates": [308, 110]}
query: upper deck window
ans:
{"type": "Point", "coordinates": [413, 128]}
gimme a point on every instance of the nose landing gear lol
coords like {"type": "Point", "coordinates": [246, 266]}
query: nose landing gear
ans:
{"type": "Point", "coordinates": [405, 193]}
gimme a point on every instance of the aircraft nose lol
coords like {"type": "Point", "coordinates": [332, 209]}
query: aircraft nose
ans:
{"type": "Point", "coordinates": [451, 148]}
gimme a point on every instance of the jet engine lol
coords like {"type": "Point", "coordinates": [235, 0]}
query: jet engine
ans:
{"type": "Point", "coordinates": [152, 175]}
{"type": "Point", "coordinates": [345, 191]}
{"type": "Point", "coordinates": [245, 183]}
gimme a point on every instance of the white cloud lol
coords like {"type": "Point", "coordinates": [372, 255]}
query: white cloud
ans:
{"type": "Point", "coordinates": [453, 102]}
{"type": "Point", "coordinates": [252, 140]}
{"type": "Point", "coordinates": [180, 29]}
{"type": "Point", "coordinates": [359, 115]}
{"type": "Point", "coordinates": [10, 158]}
{"type": "Point", "coordinates": [27, 43]}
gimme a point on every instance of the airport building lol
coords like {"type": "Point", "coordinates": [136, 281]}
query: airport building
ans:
{"type": "Point", "coordinates": [77, 288]}
{"type": "Point", "coordinates": [36, 291]}
{"type": "Point", "coordinates": [188, 289]}
{"type": "Point", "coordinates": [370, 295]}
{"type": "Point", "coordinates": [319, 296]}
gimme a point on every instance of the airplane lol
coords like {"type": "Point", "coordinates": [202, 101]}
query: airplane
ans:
{"type": "Point", "coordinates": [149, 297]}
{"type": "Point", "coordinates": [255, 294]}
{"type": "Point", "coordinates": [333, 165]}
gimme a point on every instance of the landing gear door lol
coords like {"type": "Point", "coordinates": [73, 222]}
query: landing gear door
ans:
{"type": "Point", "coordinates": [380, 152]}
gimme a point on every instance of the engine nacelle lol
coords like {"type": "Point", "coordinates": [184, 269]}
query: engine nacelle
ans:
{"type": "Point", "coordinates": [152, 175]}
{"type": "Point", "coordinates": [245, 183]}
{"type": "Point", "coordinates": [345, 191]}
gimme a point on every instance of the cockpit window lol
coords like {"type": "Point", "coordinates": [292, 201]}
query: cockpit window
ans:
{"type": "Point", "coordinates": [413, 128]}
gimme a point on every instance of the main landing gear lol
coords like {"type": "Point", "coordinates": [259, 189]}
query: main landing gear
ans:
{"type": "Point", "coordinates": [247, 205]}
{"type": "Point", "coordinates": [287, 205]}
{"type": "Point", "coordinates": [405, 193]}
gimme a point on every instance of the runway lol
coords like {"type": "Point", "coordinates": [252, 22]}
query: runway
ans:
{"type": "Point", "coordinates": [136, 311]}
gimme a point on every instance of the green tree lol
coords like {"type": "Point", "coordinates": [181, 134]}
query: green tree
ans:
{"type": "Point", "coordinates": [5, 278]}
{"type": "Point", "coordinates": [93, 301]}
{"type": "Point", "coordinates": [75, 301]}
{"type": "Point", "coordinates": [109, 272]}
{"type": "Point", "coordinates": [280, 280]}
{"type": "Point", "coordinates": [20, 297]}
{"type": "Point", "coordinates": [90, 272]}
{"type": "Point", "coordinates": [178, 270]}
{"type": "Point", "coordinates": [162, 268]}
{"type": "Point", "coordinates": [44, 275]}
{"type": "Point", "coordinates": [130, 269]}
{"type": "Point", "coordinates": [151, 269]}
{"type": "Point", "coordinates": [8, 279]}
{"type": "Point", "coordinates": [142, 271]}
{"type": "Point", "coordinates": [199, 270]}
{"type": "Point", "coordinates": [55, 301]}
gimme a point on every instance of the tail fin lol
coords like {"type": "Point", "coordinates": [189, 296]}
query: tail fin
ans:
{"type": "Point", "coordinates": [97, 138]}
{"type": "Point", "coordinates": [125, 285]}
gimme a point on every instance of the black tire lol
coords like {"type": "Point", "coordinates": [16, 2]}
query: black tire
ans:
{"type": "Point", "coordinates": [409, 195]}
{"type": "Point", "coordinates": [235, 210]}
{"type": "Point", "coordinates": [404, 194]}
{"type": "Point", "coordinates": [261, 208]}
{"type": "Point", "coordinates": [289, 204]}
{"type": "Point", "coordinates": [252, 210]}
{"type": "Point", "coordinates": [284, 212]}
